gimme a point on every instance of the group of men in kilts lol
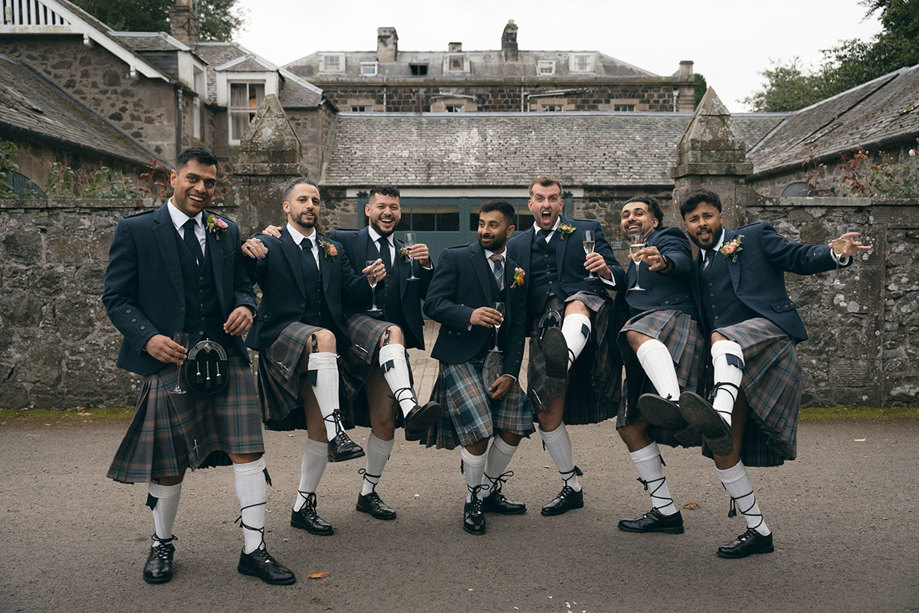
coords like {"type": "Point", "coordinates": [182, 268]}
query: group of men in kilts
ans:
{"type": "Point", "coordinates": [180, 268]}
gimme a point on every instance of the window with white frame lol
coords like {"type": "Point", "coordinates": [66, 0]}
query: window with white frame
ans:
{"type": "Point", "coordinates": [362, 108]}
{"type": "Point", "coordinates": [456, 108]}
{"type": "Point", "coordinates": [545, 67]}
{"type": "Point", "coordinates": [580, 62]}
{"type": "Point", "coordinates": [332, 62]}
{"type": "Point", "coordinates": [245, 99]}
{"type": "Point", "coordinates": [201, 90]}
{"type": "Point", "coordinates": [456, 63]}
{"type": "Point", "coordinates": [551, 108]}
{"type": "Point", "coordinates": [368, 69]}
{"type": "Point", "coordinates": [624, 108]}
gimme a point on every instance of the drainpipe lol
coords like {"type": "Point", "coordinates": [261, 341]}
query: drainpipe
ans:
{"type": "Point", "coordinates": [179, 110]}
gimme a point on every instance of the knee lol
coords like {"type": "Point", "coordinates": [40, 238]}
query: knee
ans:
{"type": "Point", "coordinates": [325, 341]}
{"type": "Point", "coordinates": [394, 337]}
{"type": "Point", "coordinates": [635, 339]}
{"type": "Point", "coordinates": [578, 307]}
{"type": "Point", "coordinates": [718, 337]}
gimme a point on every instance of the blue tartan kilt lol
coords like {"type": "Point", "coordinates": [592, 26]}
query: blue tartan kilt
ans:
{"type": "Point", "coordinates": [595, 378]}
{"type": "Point", "coordinates": [172, 432]}
{"type": "Point", "coordinates": [772, 386]}
{"type": "Point", "coordinates": [469, 415]}
{"type": "Point", "coordinates": [680, 333]}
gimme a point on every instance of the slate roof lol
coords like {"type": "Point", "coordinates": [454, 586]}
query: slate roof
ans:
{"type": "Point", "coordinates": [32, 103]}
{"type": "Point", "coordinates": [508, 149]}
{"type": "Point", "coordinates": [879, 112]}
{"type": "Point", "coordinates": [150, 41]}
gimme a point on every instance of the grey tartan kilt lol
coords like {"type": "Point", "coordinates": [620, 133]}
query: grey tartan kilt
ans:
{"type": "Point", "coordinates": [772, 385]}
{"type": "Point", "coordinates": [279, 378]}
{"type": "Point", "coordinates": [595, 378]}
{"type": "Point", "coordinates": [172, 432]}
{"type": "Point", "coordinates": [680, 333]}
{"type": "Point", "coordinates": [358, 361]}
{"type": "Point", "coordinates": [469, 415]}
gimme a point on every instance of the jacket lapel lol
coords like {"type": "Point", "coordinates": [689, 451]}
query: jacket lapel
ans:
{"type": "Point", "coordinates": [325, 265]}
{"type": "Point", "coordinates": [216, 251]}
{"type": "Point", "coordinates": [482, 271]}
{"type": "Point", "coordinates": [293, 254]}
{"type": "Point", "coordinates": [562, 245]}
{"type": "Point", "coordinates": [165, 234]}
{"type": "Point", "coordinates": [361, 248]}
{"type": "Point", "coordinates": [734, 269]}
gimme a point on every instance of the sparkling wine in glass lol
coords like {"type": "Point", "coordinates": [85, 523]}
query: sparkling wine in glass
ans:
{"type": "Point", "coordinates": [182, 339]}
{"type": "Point", "coordinates": [588, 244]}
{"type": "Point", "coordinates": [636, 242]}
{"type": "Point", "coordinates": [410, 241]}
{"type": "Point", "coordinates": [498, 306]}
{"type": "Point", "coordinates": [840, 243]}
{"type": "Point", "coordinates": [372, 279]}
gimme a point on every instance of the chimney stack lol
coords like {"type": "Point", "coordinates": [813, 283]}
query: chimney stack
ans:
{"type": "Point", "coordinates": [455, 47]}
{"type": "Point", "coordinates": [183, 23]}
{"type": "Point", "coordinates": [509, 42]}
{"type": "Point", "coordinates": [387, 44]}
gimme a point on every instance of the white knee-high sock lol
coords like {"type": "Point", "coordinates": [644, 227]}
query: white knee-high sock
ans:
{"type": "Point", "coordinates": [657, 362]}
{"type": "Point", "coordinates": [326, 389]}
{"type": "Point", "coordinates": [737, 484]}
{"type": "Point", "coordinates": [473, 468]}
{"type": "Point", "coordinates": [558, 444]}
{"type": "Point", "coordinates": [251, 491]}
{"type": "Point", "coordinates": [167, 504]}
{"type": "Point", "coordinates": [727, 358]}
{"type": "Point", "coordinates": [576, 330]}
{"type": "Point", "coordinates": [395, 372]}
{"type": "Point", "coordinates": [378, 452]}
{"type": "Point", "coordinates": [651, 469]}
{"type": "Point", "coordinates": [312, 465]}
{"type": "Point", "coordinates": [497, 459]}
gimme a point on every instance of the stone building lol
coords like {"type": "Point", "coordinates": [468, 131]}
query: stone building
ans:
{"type": "Point", "coordinates": [498, 80]}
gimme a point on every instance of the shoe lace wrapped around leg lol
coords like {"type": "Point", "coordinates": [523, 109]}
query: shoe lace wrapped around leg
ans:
{"type": "Point", "coordinates": [261, 531]}
{"type": "Point", "coordinates": [476, 502]}
{"type": "Point", "coordinates": [160, 546]}
{"type": "Point", "coordinates": [495, 484]}
{"type": "Point", "coordinates": [373, 480]}
{"type": "Point", "coordinates": [656, 484]}
{"type": "Point", "coordinates": [726, 385]}
{"type": "Point", "coordinates": [732, 510]}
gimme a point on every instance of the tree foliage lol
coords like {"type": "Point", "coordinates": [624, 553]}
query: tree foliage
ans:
{"type": "Point", "coordinates": [217, 19]}
{"type": "Point", "coordinates": [852, 62]}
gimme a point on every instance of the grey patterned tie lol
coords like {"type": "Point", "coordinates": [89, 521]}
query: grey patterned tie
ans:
{"type": "Point", "coordinates": [499, 270]}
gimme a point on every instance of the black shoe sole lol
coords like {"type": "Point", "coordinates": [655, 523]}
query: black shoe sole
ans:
{"type": "Point", "coordinates": [311, 531]}
{"type": "Point", "coordinates": [660, 412]}
{"type": "Point", "coordinates": [427, 416]}
{"type": "Point", "coordinates": [347, 456]}
{"type": "Point", "coordinates": [555, 351]}
{"type": "Point", "coordinates": [731, 556]}
{"type": "Point", "coordinates": [158, 581]}
{"type": "Point", "coordinates": [715, 431]}
{"type": "Point", "coordinates": [673, 530]}
{"type": "Point", "coordinates": [475, 532]}
{"type": "Point", "coordinates": [553, 512]}
{"type": "Point", "coordinates": [374, 515]}
{"type": "Point", "coordinates": [245, 571]}
{"type": "Point", "coordinates": [503, 512]}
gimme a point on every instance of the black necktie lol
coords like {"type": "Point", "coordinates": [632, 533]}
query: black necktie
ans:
{"type": "Point", "coordinates": [191, 241]}
{"type": "Point", "coordinates": [308, 260]}
{"type": "Point", "coordinates": [385, 255]}
{"type": "Point", "coordinates": [544, 234]}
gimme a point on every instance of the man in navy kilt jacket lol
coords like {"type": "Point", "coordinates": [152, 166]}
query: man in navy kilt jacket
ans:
{"type": "Point", "coordinates": [178, 269]}
{"type": "Point", "coordinates": [574, 374]}
{"type": "Point", "coordinates": [751, 414]}
{"type": "Point", "coordinates": [661, 346]}
{"type": "Point", "coordinates": [305, 278]}
{"type": "Point", "coordinates": [476, 386]}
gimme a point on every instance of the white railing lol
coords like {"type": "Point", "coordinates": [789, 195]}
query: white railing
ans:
{"type": "Point", "coordinates": [29, 13]}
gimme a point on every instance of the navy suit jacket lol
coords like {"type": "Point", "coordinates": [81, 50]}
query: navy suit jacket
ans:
{"type": "Point", "coordinates": [462, 283]}
{"type": "Point", "coordinates": [356, 244]}
{"type": "Point", "coordinates": [570, 256]}
{"type": "Point", "coordinates": [758, 277]}
{"type": "Point", "coordinates": [671, 291]}
{"type": "Point", "coordinates": [280, 276]}
{"type": "Point", "coordinates": [144, 294]}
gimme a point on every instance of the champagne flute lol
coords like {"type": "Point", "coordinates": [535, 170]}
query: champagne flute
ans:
{"type": "Point", "coordinates": [410, 240]}
{"type": "Point", "coordinates": [588, 244]}
{"type": "Point", "coordinates": [636, 242]}
{"type": "Point", "coordinates": [182, 339]}
{"type": "Point", "coordinates": [498, 306]}
{"type": "Point", "coordinates": [837, 242]}
{"type": "Point", "coordinates": [372, 279]}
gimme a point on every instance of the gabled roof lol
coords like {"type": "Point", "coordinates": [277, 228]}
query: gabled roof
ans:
{"type": "Point", "coordinates": [29, 102]}
{"type": "Point", "coordinates": [507, 149]}
{"type": "Point", "coordinates": [880, 112]}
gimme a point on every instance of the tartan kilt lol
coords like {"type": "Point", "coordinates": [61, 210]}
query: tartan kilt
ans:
{"type": "Point", "coordinates": [680, 333]}
{"type": "Point", "coordinates": [469, 415]}
{"type": "Point", "coordinates": [358, 361]}
{"type": "Point", "coordinates": [171, 432]}
{"type": "Point", "coordinates": [279, 378]}
{"type": "Point", "coordinates": [595, 378]}
{"type": "Point", "coordinates": [772, 386]}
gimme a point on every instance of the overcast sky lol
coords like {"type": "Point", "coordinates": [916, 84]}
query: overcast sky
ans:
{"type": "Point", "coordinates": [730, 41]}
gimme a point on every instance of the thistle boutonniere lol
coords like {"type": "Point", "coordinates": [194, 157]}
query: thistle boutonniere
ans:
{"type": "Point", "coordinates": [564, 230]}
{"type": "Point", "coordinates": [216, 226]}
{"type": "Point", "coordinates": [405, 252]}
{"type": "Point", "coordinates": [518, 277]}
{"type": "Point", "coordinates": [328, 249]}
{"type": "Point", "coordinates": [732, 248]}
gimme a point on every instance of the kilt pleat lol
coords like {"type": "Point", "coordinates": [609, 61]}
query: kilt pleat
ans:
{"type": "Point", "coordinates": [680, 333]}
{"type": "Point", "coordinates": [170, 433]}
{"type": "Point", "coordinates": [595, 378]}
{"type": "Point", "coordinates": [279, 378]}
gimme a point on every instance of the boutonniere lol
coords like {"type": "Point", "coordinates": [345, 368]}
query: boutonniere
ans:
{"type": "Point", "coordinates": [405, 252]}
{"type": "Point", "coordinates": [518, 278]}
{"type": "Point", "coordinates": [216, 226]}
{"type": "Point", "coordinates": [564, 230]}
{"type": "Point", "coordinates": [328, 249]}
{"type": "Point", "coordinates": [732, 248]}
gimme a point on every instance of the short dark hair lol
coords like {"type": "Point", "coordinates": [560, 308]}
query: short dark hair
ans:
{"type": "Point", "coordinates": [199, 154]}
{"type": "Point", "coordinates": [500, 205]}
{"type": "Point", "coordinates": [290, 185]}
{"type": "Point", "coordinates": [385, 190]}
{"type": "Point", "coordinates": [545, 181]}
{"type": "Point", "coordinates": [697, 197]}
{"type": "Point", "coordinates": [653, 206]}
